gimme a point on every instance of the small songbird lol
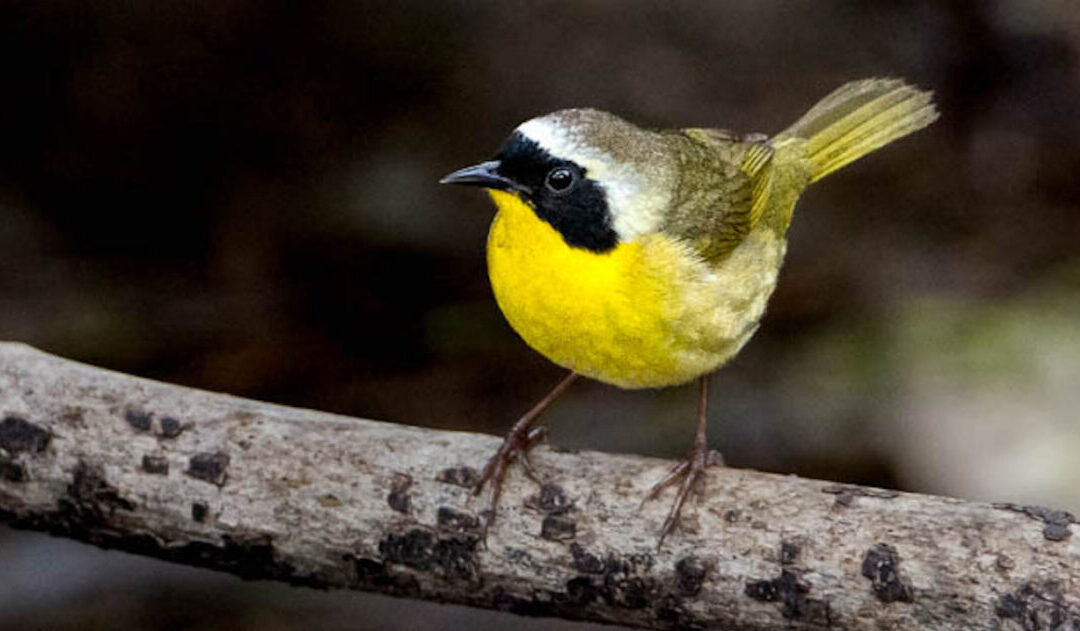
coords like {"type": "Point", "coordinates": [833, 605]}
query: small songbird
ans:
{"type": "Point", "coordinates": [645, 258]}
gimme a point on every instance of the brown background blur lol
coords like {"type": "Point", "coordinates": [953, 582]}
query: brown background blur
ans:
{"type": "Point", "coordinates": [240, 196]}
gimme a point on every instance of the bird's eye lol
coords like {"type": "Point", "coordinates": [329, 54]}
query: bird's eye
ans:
{"type": "Point", "coordinates": [560, 179]}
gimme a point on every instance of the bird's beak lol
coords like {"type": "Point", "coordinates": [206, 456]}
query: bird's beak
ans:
{"type": "Point", "coordinates": [485, 174]}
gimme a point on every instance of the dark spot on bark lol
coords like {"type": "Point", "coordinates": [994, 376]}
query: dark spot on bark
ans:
{"type": "Point", "coordinates": [631, 593]}
{"type": "Point", "coordinates": [398, 501]}
{"type": "Point", "coordinates": [452, 520]}
{"type": "Point", "coordinates": [791, 592]}
{"type": "Point", "coordinates": [789, 552]}
{"type": "Point", "coordinates": [91, 492]}
{"type": "Point", "coordinates": [156, 464]}
{"type": "Point", "coordinates": [550, 499]}
{"type": "Point", "coordinates": [252, 556]}
{"type": "Point", "coordinates": [732, 515]}
{"type": "Point", "coordinates": [846, 494]}
{"type": "Point", "coordinates": [370, 571]}
{"type": "Point", "coordinates": [585, 561]}
{"type": "Point", "coordinates": [1057, 521]}
{"type": "Point", "coordinates": [558, 528]}
{"type": "Point", "coordinates": [199, 511]}
{"type": "Point", "coordinates": [690, 574]}
{"type": "Point", "coordinates": [452, 557]}
{"type": "Point", "coordinates": [210, 466]}
{"type": "Point", "coordinates": [373, 574]}
{"type": "Point", "coordinates": [764, 589]}
{"type": "Point", "coordinates": [581, 590]}
{"type": "Point", "coordinates": [171, 427]}
{"type": "Point", "coordinates": [817, 611]}
{"type": "Point", "coordinates": [619, 581]}
{"type": "Point", "coordinates": [456, 557]}
{"type": "Point", "coordinates": [1009, 606]}
{"type": "Point", "coordinates": [414, 549]}
{"type": "Point", "coordinates": [1057, 531]}
{"type": "Point", "coordinates": [12, 471]}
{"type": "Point", "coordinates": [881, 564]}
{"type": "Point", "coordinates": [138, 419]}
{"type": "Point", "coordinates": [398, 498]}
{"type": "Point", "coordinates": [1038, 606]}
{"type": "Point", "coordinates": [626, 582]}
{"type": "Point", "coordinates": [18, 435]}
{"type": "Point", "coordinates": [459, 476]}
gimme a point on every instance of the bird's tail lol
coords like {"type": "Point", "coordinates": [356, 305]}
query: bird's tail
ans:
{"type": "Point", "coordinates": [857, 118]}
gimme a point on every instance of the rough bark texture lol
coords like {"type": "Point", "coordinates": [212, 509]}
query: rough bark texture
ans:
{"type": "Point", "coordinates": [270, 492]}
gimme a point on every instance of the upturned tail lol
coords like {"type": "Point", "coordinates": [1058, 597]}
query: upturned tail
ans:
{"type": "Point", "coordinates": [857, 118]}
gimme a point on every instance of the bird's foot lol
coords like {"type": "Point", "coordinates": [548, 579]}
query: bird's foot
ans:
{"type": "Point", "coordinates": [689, 475]}
{"type": "Point", "coordinates": [515, 448]}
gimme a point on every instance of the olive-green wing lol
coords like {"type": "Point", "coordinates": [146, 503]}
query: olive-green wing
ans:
{"type": "Point", "coordinates": [723, 188]}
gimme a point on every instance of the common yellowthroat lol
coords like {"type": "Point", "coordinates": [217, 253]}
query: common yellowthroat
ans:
{"type": "Point", "coordinates": [645, 258]}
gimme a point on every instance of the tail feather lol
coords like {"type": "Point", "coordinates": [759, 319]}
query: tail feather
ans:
{"type": "Point", "coordinates": [859, 117]}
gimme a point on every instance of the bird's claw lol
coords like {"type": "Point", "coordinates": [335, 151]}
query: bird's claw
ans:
{"type": "Point", "coordinates": [690, 476]}
{"type": "Point", "coordinates": [515, 448]}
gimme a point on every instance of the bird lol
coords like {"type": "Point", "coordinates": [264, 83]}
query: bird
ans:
{"type": "Point", "coordinates": [645, 258]}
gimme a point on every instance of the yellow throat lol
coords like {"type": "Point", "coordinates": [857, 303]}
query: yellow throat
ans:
{"type": "Point", "coordinates": [641, 315]}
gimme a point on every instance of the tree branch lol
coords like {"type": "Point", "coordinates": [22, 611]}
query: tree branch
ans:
{"type": "Point", "coordinates": [271, 492]}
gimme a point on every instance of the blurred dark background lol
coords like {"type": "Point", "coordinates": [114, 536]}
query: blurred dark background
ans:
{"type": "Point", "coordinates": [240, 196]}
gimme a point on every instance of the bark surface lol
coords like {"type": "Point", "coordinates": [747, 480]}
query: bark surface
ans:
{"type": "Point", "coordinates": [271, 492]}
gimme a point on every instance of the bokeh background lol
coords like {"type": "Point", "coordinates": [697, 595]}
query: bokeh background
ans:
{"type": "Point", "coordinates": [240, 196]}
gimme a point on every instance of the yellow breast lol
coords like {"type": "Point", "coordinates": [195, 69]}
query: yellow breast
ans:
{"type": "Point", "coordinates": [648, 313]}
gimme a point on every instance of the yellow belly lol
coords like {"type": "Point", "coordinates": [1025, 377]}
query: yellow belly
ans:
{"type": "Point", "coordinates": [648, 313]}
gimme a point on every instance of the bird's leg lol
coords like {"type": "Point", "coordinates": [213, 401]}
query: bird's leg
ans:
{"type": "Point", "coordinates": [515, 447]}
{"type": "Point", "coordinates": [689, 474]}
